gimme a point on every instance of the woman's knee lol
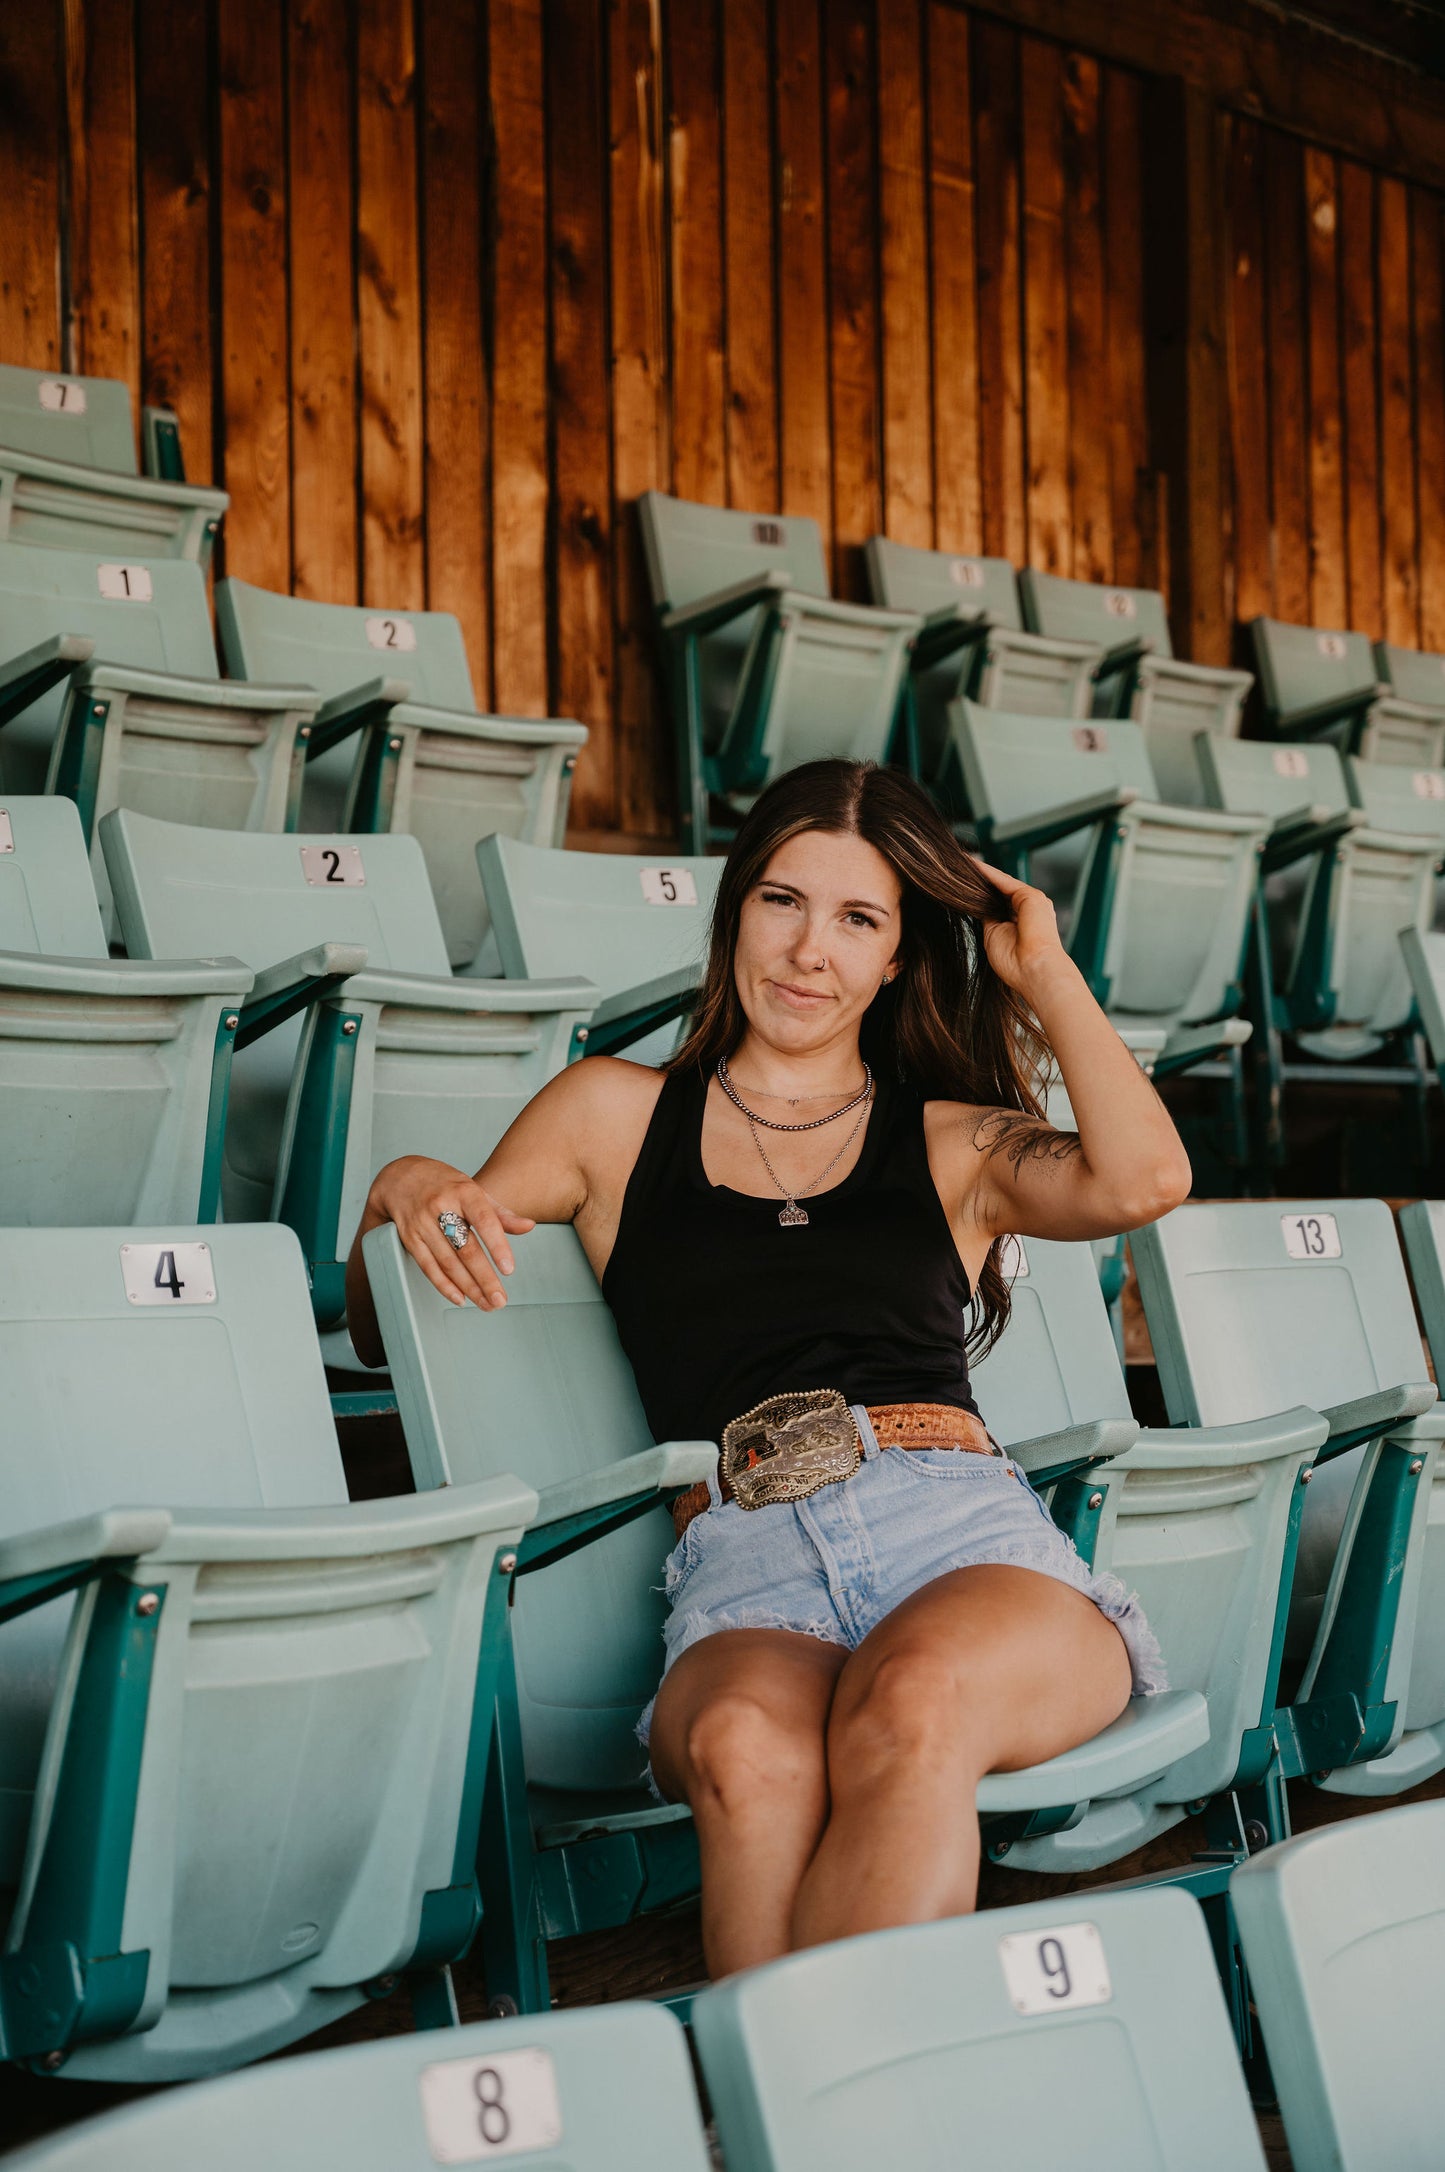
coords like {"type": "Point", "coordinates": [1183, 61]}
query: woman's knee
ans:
{"type": "Point", "coordinates": [912, 1705]}
{"type": "Point", "coordinates": [741, 1755]}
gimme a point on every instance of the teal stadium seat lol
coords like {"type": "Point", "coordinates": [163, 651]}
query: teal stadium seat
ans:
{"type": "Point", "coordinates": [241, 1769]}
{"type": "Point", "coordinates": [636, 927]}
{"type": "Point", "coordinates": [400, 744]}
{"type": "Point", "coordinates": [1422, 1229]}
{"type": "Point", "coordinates": [113, 1073]}
{"type": "Point", "coordinates": [1197, 1521]}
{"type": "Point", "coordinates": [1255, 1306]}
{"type": "Point", "coordinates": [1423, 954]}
{"type": "Point", "coordinates": [1140, 677]}
{"type": "Point", "coordinates": [379, 1049]}
{"type": "Point", "coordinates": [1336, 885]}
{"type": "Point", "coordinates": [68, 472]}
{"type": "Point", "coordinates": [585, 1846]}
{"type": "Point", "coordinates": [608, 2089]}
{"type": "Point", "coordinates": [1314, 683]}
{"type": "Point", "coordinates": [1345, 1934]}
{"type": "Point", "coordinates": [1086, 2031]}
{"type": "Point", "coordinates": [1407, 723]}
{"type": "Point", "coordinates": [765, 670]}
{"type": "Point", "coordinates": [972, 642]}
{"type": "Point", "coordinates": [1161, 904]}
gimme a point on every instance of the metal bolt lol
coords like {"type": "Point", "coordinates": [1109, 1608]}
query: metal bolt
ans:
{"type": "Point", "coordinates": [571, 762]}
{"type": "Point", "coordinates": [1096, 1500]}
{"type": "Point", "coordinates": [395, 745]}
{"type": "Point", "coordinates": [1305, 1477]}
{"type": "Point", "coordinates": [348, 1025]}
{"type": "Point", "coordinates": [505, 1564]}
{"type": "Point", "coordinates": [232, 1020]}
{"type": "Point", "coordinates": [102, 708]}
{"type": "Point", "coordinates": [1417, 1466]}
{"type": "Point", "coordinates": [581, 1033]}
{"type": "Point", "coordinates": [1256, 1835]}
{"type": "Point", "coordinates": [53, 2061]}
{"type": "Point", "coordinates": [305, 732]}
{"type": "Point", "coordinates": [148, 1603]}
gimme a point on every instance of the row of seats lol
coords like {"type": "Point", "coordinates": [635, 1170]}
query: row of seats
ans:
{"type": "Point", "coordinates": [286, 1746]}
{"type": "Point", "coordinates": [1090, 2032]}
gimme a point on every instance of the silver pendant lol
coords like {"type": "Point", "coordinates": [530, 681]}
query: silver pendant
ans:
{"type": "Point", "coordinates": [793, 1216]}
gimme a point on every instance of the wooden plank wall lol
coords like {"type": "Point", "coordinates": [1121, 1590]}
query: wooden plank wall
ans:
{"type": "Point", "coordinates": [1336, 389]}
{"type": "Point", "coordinates": [438, 287]}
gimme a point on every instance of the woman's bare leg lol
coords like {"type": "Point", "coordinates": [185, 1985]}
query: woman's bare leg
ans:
{"type": "Point", "coordinates": [739, 1733]}
{"type": "Point", "coordinates": [984, 1670]}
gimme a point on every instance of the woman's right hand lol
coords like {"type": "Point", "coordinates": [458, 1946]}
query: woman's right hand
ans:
{"type": "Point", "coordinates": [413, 1192]}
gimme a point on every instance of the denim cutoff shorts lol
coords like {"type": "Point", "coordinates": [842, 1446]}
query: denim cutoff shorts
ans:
{"type": "Point", "coordinates": [834, 1565]}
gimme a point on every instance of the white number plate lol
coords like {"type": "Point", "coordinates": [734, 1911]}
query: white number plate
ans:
{"type": "Point", "coordinates": [1120, 604]}
{"type": "Point", "coordinates": [333, 867]}
{"type": "Point", "coordinates": [1091, 739]}
{"type": "Point", "coordinates": [1291, 762]}
{"type": "Point", "coordinates": [1013, 1260]}
{"type": "Point", "coordinates": [1311, 1236]}
{"type": "Point", "coordinates": [391, 633]}
{"type": "Point", "coordinates": [1429, 783]}
{"type": "Point", "coordinates": [7, 835]}
{"type": "Point", "coordinates": [966, 573]}
{"type": "Point", "coordinates": [1048, 1970]}
{"type": "Point", "coordinates": [477, 2109]}
{"type": "Point", "coordinates": [168, 1274]}
{"type": "Point", "coordinates": [1331, 647]}
{"type": "Point", "coordinates": [669, 886]}
{"type": "Point", "coordinates": [125, 584]}
{"type": "Point", "coordinates": [58, 397]}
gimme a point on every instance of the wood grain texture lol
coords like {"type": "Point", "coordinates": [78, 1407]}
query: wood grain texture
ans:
{"type": "Point", "coordinates": [32, 102]}
{"type": "Point", "coordinates": [1362, 408]}
{"type": "Point", "coordinates": [1397, 415]}
{"type": "Point", "coordinates": [804, 434]}
{"type": "Point", "coordinates": [173, 75]}
{"type": "Point", "coordinates": [1000, 359]}
{"type": "Point", "coordinates": [1288, 394]}
{"type": "Point", "coordinates": [1249, 376]}
{"type": "Point", "coordinates": [1329, 601]}
{"type": "Point", "coordinates": [853, 289]}
{"type": "Point", "coordinates": [694, 154]}
{"type": "Point", "coordinates": [1427, 272]}
{"type": "Point", "coordinates": [1046, 307]}
{"type": "Point", "coordinates": [903, 248]}
{"type": "Point", "coordinates": [641, 458]}
{"type": "Point", "coordinates": [255, 464]}
{"type": "Point", "coordinates": [103, 309]}
{"type": "Point", "coordinates": [1133, 514]}
{"type": "Point", "coordinates": [388, 278]}
{"type": "Point", "coordinates": [1091, 542]}
{"type": "Point", "coordinates": [325, 515]}
{"type": "Point", "coordinates": [582, 497]}
{"type": "Point", "coordinates": [518, 236]}
{"type": "Point", "coordinates": [457, 410]}
{"type": "Point", "coordinates": [749, 262]}
{"type": "Point", "coordinates": [958, 504]}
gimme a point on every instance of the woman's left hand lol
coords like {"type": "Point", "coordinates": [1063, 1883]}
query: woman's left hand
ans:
{"type": "Point", "coordinates": [1027, 945]}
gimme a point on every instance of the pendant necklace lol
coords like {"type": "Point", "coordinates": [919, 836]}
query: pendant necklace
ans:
{"type": "Point", "coordinates": [791, 1215]}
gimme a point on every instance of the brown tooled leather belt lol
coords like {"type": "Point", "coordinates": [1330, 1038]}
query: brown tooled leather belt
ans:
{"type": "Point", "coordinates": [895, 1425]}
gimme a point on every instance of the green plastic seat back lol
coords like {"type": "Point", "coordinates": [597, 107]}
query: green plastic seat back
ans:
{"type": "Point", "coordinates": [612, 2083]}
{"type": "Point", "coordinates": [163, 625]}
{"type": "Point", "coordinates": [1255, 1306]}
{"type": "Point", "coordinates": [1344, 1936]}
{"type": "Point", "coordinates": [1396, 798]}
{"type": "Point", "coordinates": [338, 646]}
{"type": "Point", "coordinates": [1093, 611]}
{"type": "Point", "coordinates": [1250, 776]}
{"type": "Point", "coordinates": [1415, 675]}
{"type": "Point", "coordinates": [543, 1388]}
{"type": "Point", "coordinates": [949, 2043]}
{"type": "Point", "coordinates": [85, 420]}
{"type": "Point", "coordinates": [1055, 1364]}
{"type": "Point", "coordinates": [47, 899]}
{"type": "Point", "coordinates": [903, 578]}
{"type": "Point", "coordinates": [1019, 767]}
{"type": "Point", "coordinates": [110, 1403]}
{"type": "Point", "coordinates": [1302, 665]}
{"type": "Point", "coordinates": [1422, 1229]}
{"type": "Point", "coordinates": [605, 915]}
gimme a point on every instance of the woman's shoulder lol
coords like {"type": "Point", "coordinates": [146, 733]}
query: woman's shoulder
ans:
{"type": "Point", "coordinates": [606, 1088]}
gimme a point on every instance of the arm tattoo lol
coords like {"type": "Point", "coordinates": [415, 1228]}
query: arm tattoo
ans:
{"type": "Point", "coordinates": [1020, 1138]}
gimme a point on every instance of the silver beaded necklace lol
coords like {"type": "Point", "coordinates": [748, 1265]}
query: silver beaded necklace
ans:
{"type": "Point", "coordinates": [791, 1215]}
{"type": "Point", "coordinates": [814, 1123]}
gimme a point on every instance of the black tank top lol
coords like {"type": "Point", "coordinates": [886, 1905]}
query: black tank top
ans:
{"type": "Point", "coordinates": [719, 1306]}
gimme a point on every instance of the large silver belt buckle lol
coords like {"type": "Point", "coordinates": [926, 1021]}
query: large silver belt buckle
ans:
{"type": "Point", "coordinates": [789, 1446]}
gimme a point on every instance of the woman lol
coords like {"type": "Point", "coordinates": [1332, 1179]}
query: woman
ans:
{"type": "Point", "coordinates": [870, 1607]}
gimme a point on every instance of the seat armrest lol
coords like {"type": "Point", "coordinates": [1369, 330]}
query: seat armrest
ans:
{"type": "Point", "coordinates": [709, 612]}
{"type": "Point", "coordinates": [621, 1019]}
{"type": "Point", "coordinates": [140, 489]}
{"type": "Point", "coordinates": [945, 633]}
{"type": "Point", "coordinates": [1122, 658]}
{"type": "Point", "coordinates": [247, 694]}
{"type": "Point", "coordinates": [1299, 723]}
{"type": "Point", "coordinates": [26, 677]}
{"type": "Point", "coordinates": [430, 992]}
{"type": "Point", "coordinates": [1296, 1431]}
{"type": "Point", "coordinates": [1048, 1457]}
{"type": "Point", "coordinates": [1388, 703]}
{"type": "Point", "coordinates": [1305, 831]}
{"type": "Point", "coordinates": [125, 976]}
{"type": "Point", "coordinates": [1026, 832]}
{"type": "Point", "coordinates": [281, 990]}
{"type": "Point", "coordinates": [349, 1530]}
{"type": "Point", "coordinates": [353, 711]}
{"type": "Point", "coordinates": [1178, 667]}
{"type": "Point", "coordinates": [39, 1565]}
{"type": "Point", "coordinates": [1188, 1045]}
{"type": "Point", "coordinates": [1204, 819]}
{"type": "Point", "coordinates": [1366, 1417]}
{"type": "Point", "coordinates": [576, 1511]}
{"type": "Point", "coordinates": [507, 731]}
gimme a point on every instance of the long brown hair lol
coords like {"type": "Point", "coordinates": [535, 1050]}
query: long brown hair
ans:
{"type": "Point", "coordinates": [946, 1024]}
